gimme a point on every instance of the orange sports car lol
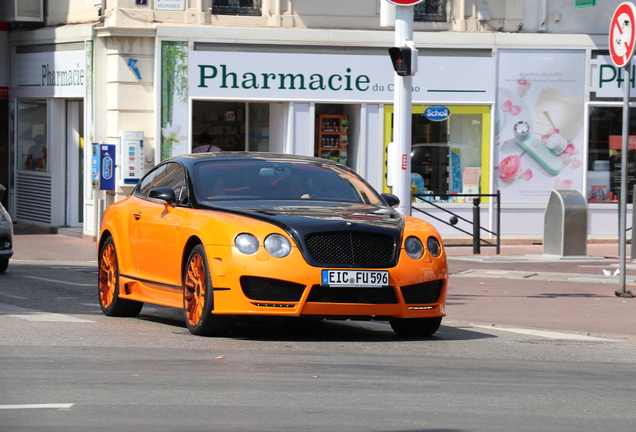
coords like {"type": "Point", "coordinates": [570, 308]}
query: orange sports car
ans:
{"type": "Point", "coordinates": [221, 235]}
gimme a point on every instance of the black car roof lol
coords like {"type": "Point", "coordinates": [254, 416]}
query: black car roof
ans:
{"type": "Point", "coordinates": [190, 159]}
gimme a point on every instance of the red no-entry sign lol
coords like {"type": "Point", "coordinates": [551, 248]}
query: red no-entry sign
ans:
{"type": "Point", "coordinates": [622, 34]}
{"type": "Point", "coordinates": [405, 2]}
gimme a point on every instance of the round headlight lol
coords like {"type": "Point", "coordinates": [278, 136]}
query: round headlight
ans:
{"type": "Point", "coordinates": [414, 247]}
{"type": "Point", "coordinates": [277, 245]}
{"type": "Point", "coordinates": [246, 243]}
{"type": "Point", "coordinates": [433, 246]}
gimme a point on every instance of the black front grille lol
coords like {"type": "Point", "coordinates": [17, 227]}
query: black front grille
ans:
{"type": "Point", "coordinates": [351, 248]}
{"type": "Point", "coordinates": [422, 293]}
{"type": "Point", "coordinates": [266, 289]}
{"type": "Point", "coordinates": [323, 294]}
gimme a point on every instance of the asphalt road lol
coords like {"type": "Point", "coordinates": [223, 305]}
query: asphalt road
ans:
{"type": "Point", "coordinates": [66, 367]}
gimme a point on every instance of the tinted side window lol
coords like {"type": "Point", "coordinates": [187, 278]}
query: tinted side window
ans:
{"type": "Point", "coordinates": [146, 184]}
{"type": "Point", "coordinates": [173, 176]}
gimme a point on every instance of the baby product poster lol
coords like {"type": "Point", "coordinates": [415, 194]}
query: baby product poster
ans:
{"type": "Point", "coordinates": [539, 123]}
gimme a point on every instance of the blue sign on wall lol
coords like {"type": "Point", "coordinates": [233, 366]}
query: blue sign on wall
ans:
{"type": "Point", "coordinates": [107, 166]}
{"type": "Point", "coordinates": [437, 113]}
{"type": "Point", "coordinates": [95, 162]}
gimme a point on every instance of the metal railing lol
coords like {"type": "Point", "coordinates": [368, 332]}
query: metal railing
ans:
{"type": "Point", "coordinates": [430, 11]}
{"type": "Point", "coordinates": [478, 242]}
{"type": "Point", "coordinates": [236, 7]}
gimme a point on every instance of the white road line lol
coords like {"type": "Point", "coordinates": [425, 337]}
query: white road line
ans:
{"type": "Point", "coordinates": [13, 296]}
{"type": "Point", "coordinates": [41, 406]}
{"type": "Point", "coordinates": [37, 316]}
{"type": "Point", "coordinates": [546, 334]}
{"type": "Point", "coordinates": [62, 282]}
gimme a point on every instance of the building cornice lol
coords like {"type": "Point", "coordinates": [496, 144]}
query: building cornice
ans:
{"type": "Point", "coordinates": [45, 35]}
{"type": "Point", "coordinates": [376, 38]}
{"type": "Point", "coordinates": [145, 32]}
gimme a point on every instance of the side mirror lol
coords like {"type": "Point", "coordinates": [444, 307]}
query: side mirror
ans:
{"type": "Point", "coordinates": [162, 195]}
{"type": "Point", "coordinates": [392, 200]}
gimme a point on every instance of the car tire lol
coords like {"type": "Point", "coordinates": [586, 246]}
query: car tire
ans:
{"type": "Point", "coordinates": [4, 263]}
{"type": "Point", "coordinates": [108, 285]}
{"type": "Point", "coordinates": [198, 298]}
{"type": "Point", "coordinates": [415, 326]}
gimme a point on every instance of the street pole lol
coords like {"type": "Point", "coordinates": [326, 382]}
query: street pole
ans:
{"type": "Point", "coordinates": [402, 114]}
{"type": "Point", "coordinates": [622, 211]}
{"type": "Point", "coordinates": [622, 41]}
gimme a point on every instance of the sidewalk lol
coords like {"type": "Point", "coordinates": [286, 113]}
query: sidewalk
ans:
{"type": "Point", "coordinates": [519, 287]}
{"type": "Point", "coordinates": [30, 244]}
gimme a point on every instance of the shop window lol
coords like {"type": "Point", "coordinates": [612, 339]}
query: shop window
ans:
{"type": "Point", "coordinates": [430, 11]}
{"type": "Point", "coordinates": [32, 152]}
{"type": "Point", "coordinates": [236, 7]}
{"type": "Point", "coordinates": [605, 154]}
{"type": "Point", "coordinates": [230, 126]}
{"type": "Point", "coordinates": [447, 156]}
{"type": "Point", "coordinates": [332, 133]}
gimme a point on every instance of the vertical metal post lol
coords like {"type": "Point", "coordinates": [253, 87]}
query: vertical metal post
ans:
{"type": "Point", "coordinates": [402, 114]}
{"type": "Point", "coordinates": [622, 204]}
{"type": "Point", "coordinates": [633, 254]}
{"type": "Point", "coordinates": [476, 227]}
{"type": "Point", "coordinates": [498, 221]}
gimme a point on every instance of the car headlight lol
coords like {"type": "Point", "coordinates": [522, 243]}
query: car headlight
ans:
{"type": "Point", "coordinates": [246, 243]}
{"type": "Point", "coordinates": [414, 247]}
{"type": "Point", "coordinates": [277, 246]}
{"type": "Point", "coordinates": [433, 246]}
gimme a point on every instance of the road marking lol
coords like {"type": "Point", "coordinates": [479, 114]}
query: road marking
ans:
{"type": "Point", "coordinates": [41, 406]}
{"type": "Point", "coordinates": [37, 316]}
{"type": "Point", "coordinates": [12, 296]}
{"type": "Point", "coordinates": [62, 282]}
{"type": "Point", "coordinates": [545, 334]}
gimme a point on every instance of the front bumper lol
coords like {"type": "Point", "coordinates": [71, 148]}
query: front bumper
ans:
{"type": "Point", "coordinates": [290, 287]}
{"type": "Point", "coordinates": [6, 235]}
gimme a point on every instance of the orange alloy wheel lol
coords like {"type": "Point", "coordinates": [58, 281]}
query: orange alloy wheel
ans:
{"type": "Point", "coordinates": [195, 290]}
{"type": "Point", "coordinates": [107, 275]}
{"type": "Point", "coordinates": [108, 285]}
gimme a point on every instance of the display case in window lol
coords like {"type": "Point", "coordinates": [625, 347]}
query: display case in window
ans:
{"type": "Point", "coordinates": [332, 137]}
{"type": "Point", "coordinates": [225, 129]}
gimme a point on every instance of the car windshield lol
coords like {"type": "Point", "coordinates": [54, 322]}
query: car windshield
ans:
{"type": "Point", "coordinates": [222, 180]}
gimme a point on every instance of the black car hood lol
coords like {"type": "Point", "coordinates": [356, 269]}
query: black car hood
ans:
{"type": "Point", "coordinates": [315, 215]}
{"type": "Point", "coordinates": [303, 221]}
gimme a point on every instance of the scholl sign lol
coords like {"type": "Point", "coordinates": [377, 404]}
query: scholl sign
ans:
{"type": "Point", "coordinates": [437, 113]}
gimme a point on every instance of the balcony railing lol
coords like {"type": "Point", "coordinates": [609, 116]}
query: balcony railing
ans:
{"type": "Point", "coordinates": [430, 11]}
{"type": "Point", "coordinates": [236, 7]}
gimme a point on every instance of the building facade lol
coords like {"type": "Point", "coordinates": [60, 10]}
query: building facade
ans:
{"type": "Point", "coordinates": [497, 79]}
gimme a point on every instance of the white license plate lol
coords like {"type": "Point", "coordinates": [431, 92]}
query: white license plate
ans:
{"type": "Point", "coordinates": [355, 278]}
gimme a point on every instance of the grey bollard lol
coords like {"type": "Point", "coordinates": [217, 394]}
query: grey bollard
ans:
{"type": "Point", "coordinates": [565, 224]}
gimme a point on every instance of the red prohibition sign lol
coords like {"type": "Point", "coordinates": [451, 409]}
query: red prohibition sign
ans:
{"type": "Point", "coordinates": [622, 34]}
{"type": "Point", "coordinates": [405, 2]}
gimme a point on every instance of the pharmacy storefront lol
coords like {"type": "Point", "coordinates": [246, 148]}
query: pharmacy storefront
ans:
{"type": "Point", "coordinates": [605, 114]}
{"type": "Point", "coordinates": [47, 100]}
{"type": "Point", "coordinates": [327, 102]}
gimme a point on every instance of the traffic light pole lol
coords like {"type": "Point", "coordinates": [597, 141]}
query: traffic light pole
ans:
{"type": "Point", "coordinates": [402, 114]}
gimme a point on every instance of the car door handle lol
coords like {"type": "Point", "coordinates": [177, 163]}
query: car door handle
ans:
{"type": "Point", "coordinates": [137, 216]}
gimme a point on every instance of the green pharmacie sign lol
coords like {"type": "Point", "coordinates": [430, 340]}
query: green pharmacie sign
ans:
{"type": "Point", "coordinates": [330, 77]}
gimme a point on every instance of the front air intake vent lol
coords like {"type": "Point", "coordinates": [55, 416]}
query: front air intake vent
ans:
{"type": "Point", "coordinates": [422, 293]}
{"type": "Point", "coordinates": [323, 294]}
{"type": "Point", "coordinates": [271, 290]}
